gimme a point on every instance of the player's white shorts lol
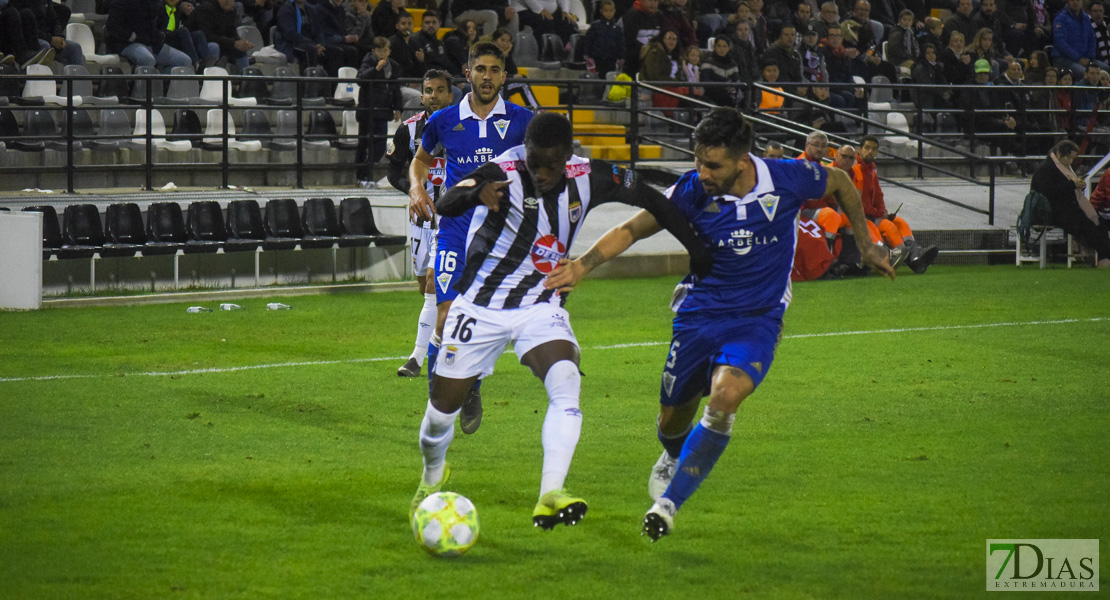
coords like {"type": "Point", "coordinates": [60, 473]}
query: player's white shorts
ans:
{"type": "Point", "coordinates": [423, 248]}
{"type": "Point", "coordinates": [474, 337]}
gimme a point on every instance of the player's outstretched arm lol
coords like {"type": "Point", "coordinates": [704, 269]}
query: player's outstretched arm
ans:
{"type": "Point", "coordinates": [420, 203]}
{"type": "Point", "coordinates": [615, 241]}
{"type": "Point", "coordinates": [487, 185]}
{"type": "Point", "coordinates": [846, 194]}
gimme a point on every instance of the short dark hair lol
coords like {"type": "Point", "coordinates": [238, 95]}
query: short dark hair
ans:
{"type": "Point", "coordinates": [486, 49]}
{"type": "Point", "coordinates": [550, 130]}
{"type": "Point", "coordinates": [437, 74]}
{"type": "Point", "coordinates": [429, 13]}
{"type": "Point", "coordinates": [725, 128]}
{"type": "Point", "coordinates": [869, 138]}
{"type": "Point", "coordinates": [1065, 147]}
{"type": "Point", "coordinates": [404, 13]}
{"type": "Point", "coordinates": [381, 42]}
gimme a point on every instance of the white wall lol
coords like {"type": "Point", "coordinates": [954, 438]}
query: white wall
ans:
{"type": "Point", "coordinates": [20, 260]}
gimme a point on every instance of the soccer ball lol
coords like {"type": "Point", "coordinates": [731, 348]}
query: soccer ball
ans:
{"type": "Point", "coordinates": [445, 524]}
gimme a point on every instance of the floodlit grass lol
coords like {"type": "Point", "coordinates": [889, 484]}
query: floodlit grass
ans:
{"type": "Point", "coordinates": [869, 465]}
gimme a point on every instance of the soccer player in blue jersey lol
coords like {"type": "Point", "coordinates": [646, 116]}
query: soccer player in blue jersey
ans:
{"type": "Point", "coordinates": [470, 133]}
{"type": "Point", "coordinates": [727, 324]}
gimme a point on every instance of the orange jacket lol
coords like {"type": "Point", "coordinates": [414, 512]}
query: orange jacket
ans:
{"type": "Point", "coordinates": [867, 182]}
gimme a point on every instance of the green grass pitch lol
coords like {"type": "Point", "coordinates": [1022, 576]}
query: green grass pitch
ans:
{"type": "Point", "coordinates": [149, 453]}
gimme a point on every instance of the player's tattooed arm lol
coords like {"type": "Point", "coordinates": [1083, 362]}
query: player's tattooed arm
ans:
{"type": "Point", "coordinates": [846, 194]}
{"type": "Point", "coordinates": [612, 244]}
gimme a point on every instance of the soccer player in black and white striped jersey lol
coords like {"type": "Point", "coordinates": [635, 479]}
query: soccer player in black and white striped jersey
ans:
{"type": "Point", "coordinates": [435, 94]}
{"type": "Point", "coordinates": [530, 203]}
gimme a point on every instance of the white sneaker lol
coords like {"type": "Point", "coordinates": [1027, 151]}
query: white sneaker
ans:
{"type": "Point", "coordinates": [661, 475]}
{"type": "Point", "coordinates": [659, 520]}
{"type": "Point", "coordinates": [367, 184]}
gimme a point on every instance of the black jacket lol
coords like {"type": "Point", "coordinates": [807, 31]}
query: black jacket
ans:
{"type": "Point", "coordinates": [379, 95]}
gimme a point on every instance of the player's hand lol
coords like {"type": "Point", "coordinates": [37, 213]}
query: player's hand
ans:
{"type": "Point", "coordinates": [491, 194]}
{"type": "Point", "coordinates": [420, 204]}
{"type": "Point", "coordinates": [878, 260]}
{"type": "Point", "coordinates": [565, 276]}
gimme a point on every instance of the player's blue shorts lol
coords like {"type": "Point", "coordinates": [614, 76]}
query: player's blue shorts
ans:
{"type": "Point", "coordinates": [702, 342]}
{"type": "Point", "coordinates": [450, 255]}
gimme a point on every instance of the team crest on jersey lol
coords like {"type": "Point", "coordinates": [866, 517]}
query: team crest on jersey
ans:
{"type": "Point", "coordinates": [502, 127]}
{"type": "Point", "coordinates": [437, 174]}
{"type": "Point", "coordinates": [574, 211]}
{"type": "Point", "coordinates": [668, 383]}
{"type": "Point", "coordinates": [578, 170]}
{"type": "Point", "coordinates": [769, 203]}
{"type": "Point", "coordinates": [546, 253]}
{"type": "Point", "coordinates": [449, 355]}
{"type": "Point", "coordinates": [443, 279]}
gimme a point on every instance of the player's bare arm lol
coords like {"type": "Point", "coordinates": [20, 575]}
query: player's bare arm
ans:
{"type": "Point", "coordinates": [847, 196]}
{"type": "Point", "coordinates": [420, 203]}
{"type": "Point", "coordinates": [615, 241]}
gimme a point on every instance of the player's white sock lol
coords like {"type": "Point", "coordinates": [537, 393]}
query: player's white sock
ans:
{"type": "Point", "coordinates": [425, 326]}
{"type": "Point", "coordinates": [436, 432]}
{"type": "Point", "coordinates": [563, 424]}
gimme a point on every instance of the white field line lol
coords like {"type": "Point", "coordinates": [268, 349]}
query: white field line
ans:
{"type": "Point", "coordinates": [609, 347]}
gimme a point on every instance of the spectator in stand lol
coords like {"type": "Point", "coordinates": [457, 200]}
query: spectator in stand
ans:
{"type": "Point", "coordinates": [828, 16]}
{"type": "Point", "coordinates": [547, 16]}
{"type": "Point", "coordinates": [300, 39]}
{"type": "Point", "coordinates": [769, 102]}
{"type": "Point", "coordinates": [931, 34]}
{"type": "Point", "coordinates": [1097, 13]}
{"type": "Point", "coordinates": [982, 48]}
{"type": "Point", "coordinates": [957, 61]}
{"type": "Point", "coordinates": [1086, 97]}
{"type": "Point", "coordinates": [458, 43]}
{"type": "Point", "coordinates": [660, 58]}
{"type": "Point", "coordinates": [928, 71]}
{"type": "Point", "coordinates": [783, 54]}
{"type": "Point", "coordinates": [888, 13]}
{"type": "Point", "coordinates": [742, 52]}
{"type": "Point", "coordinates": [333, 24]}
{"type": "Point", "coordinates": [604, 45]}
{"type": "Point", "coordinates": [203, 53]}
{"type": "Point", "coordinates": [260, 13]}
{"type": "Point", "coordinates": [1071, 211]}
{"type": "Point", "coordinates": [357, 21]}
{"type": "Point", "coordinates": [778, 13]}
{"type": "Point", "coordinates": [132, 32]}
{"type": "Point", "coordinates": [1073, 40]}
{"type": "Point", "coordinates": [902, 49]}
{"type": "Point", "coordinates": [844, 64]}
{"type": "Point", "coordinates": [984, 112]}
{"type": "Point", "coordinates": [641, 23]}
{"type": "Point", "coordinates": [676, 15]}
{"type": "Point", "coordinates": [409, 58]}
{"type": "Point", "coordinates": [859, 39]}
{"type": "Point", "coordinates": [503, 39]}
{"type": "Point", "coordinates": [426, 40]}
{"type": "Point", "coordinates": [988, 17]}
{"type": "Point", "coordinates": [379, 101]}
{"type": "Point", "coordinates": [803, 14]}
{"type": "Point", "coordinates": [773, 149]}
{"type": "Point", "coordinates": [1018, 33]}
{"type": "Point", "coordinates": [720, 68]}
{"type": "Point", "coordinates": [514, 83]}
{"type": "Point", "coordinates": [1011, 96]}
{"type": "Point", "coordinates": [760, 29]}
{"type": "Point", "coordinates": [1042, 122]}
{"type": "Point", "coordinates": [962, 21]}
{"type": "Point", "coordinates": [384, 17]}
{"type": "Point", "coordinates": [40, 18]}
{"type": "Point", "coordinates": [14, 46]}
{"type": "Point", "coordinates": [895, 230]}
{"type": "Point", "coordinates": [216, 20]}
{"type": "Point", "coordinates": [1038, 66]}
{"type": "Point", "coordinates": [487, 14]}
{"type": "Point", "coordinates": [868, 32]}
{"type": "Point", "coordinates": [821, 117]}
{"type": "Point", "coordinates": [814, 69]}
{"type": "Point", "coordinates": [712, 14]}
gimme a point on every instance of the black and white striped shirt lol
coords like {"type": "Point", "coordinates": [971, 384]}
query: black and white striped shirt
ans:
{"type": "Point", "coordinates": [509, 252]}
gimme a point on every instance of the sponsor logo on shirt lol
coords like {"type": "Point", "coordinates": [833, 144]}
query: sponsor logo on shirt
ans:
{"type": "Point", "coordinates": [531, 204]}
{"type": "Point", "coordinates": [578, 170]}
{"type": "Point", "coordinates": [546, 253]}
{"type": "Point", "coordinates": [437, 174]}
{"type": "Point", "coordinates": [480, 156]}
{"type": "Point", "coordinates": [743, 240]}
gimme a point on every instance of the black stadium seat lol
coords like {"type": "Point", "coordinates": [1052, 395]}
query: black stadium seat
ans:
{"type": "Point", "coordinates": [356, 223]}
{"type": "Point", "coordinates": [165, 228]}
{"type": "Point", "coordinates": [51, 232]}
{"type": "Point", "coordinates": [123, 228]}
{"type": "Point", "coordinates": [320, 223]}
{"type": "Point", "coordinates": [245, 230]}
{"type": "Point", "coordinates": [82, 233]}
{"type": "Point", "coordinates": [204, 228]}
{"type": "Point", "coordinates": [283, 225]}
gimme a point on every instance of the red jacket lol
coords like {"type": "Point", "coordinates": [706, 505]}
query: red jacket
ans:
{"type": "Point", "coordinates": [867, 181]}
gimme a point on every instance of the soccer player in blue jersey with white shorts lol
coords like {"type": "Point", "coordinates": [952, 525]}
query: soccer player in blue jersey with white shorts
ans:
{"type": "Point", "coordinates": [727, 324]}
{"type": "Point", "coordinates": [477, 129]}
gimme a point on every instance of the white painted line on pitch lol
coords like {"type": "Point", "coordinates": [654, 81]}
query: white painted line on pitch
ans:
{"type": "Point", "coordinates": [609, 347]}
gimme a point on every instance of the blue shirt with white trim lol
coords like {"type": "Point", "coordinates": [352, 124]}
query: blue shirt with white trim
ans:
{"type": "Point", "coordinates": [752, 238]}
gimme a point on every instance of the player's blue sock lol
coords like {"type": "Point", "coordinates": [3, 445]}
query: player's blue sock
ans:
{"type": "Point", "coordinates": [673, 445]}
{"type": "Point", "coordinates": [477, 385]}
{"type": "Point", "coordinates": [433, 353]}
{"type": "Point", "coordinates": [702, 449]}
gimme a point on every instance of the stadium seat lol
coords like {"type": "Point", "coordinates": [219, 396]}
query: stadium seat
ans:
{"type": "Point", "coordinates": [83, 129]}
{"type": "Point", "coordinates": [115, 85]}
{"type": "Point", "coordinates": [204, 228]}
{"type": "Point", "coordinates": [320, 223]}
{"type": "Point", "coordinates": [184, 91]}
{"type": "Point", "coordinates": [321, 127]}
{"type": "Point", "coordinates": [113, 124]}
{"type": "Point", "coordinates": [157, 132]}
{"type": "Point", "coordinates": [52, 233]}
{"type": "Point", "coordinates": [211, 90]}
{"type": "Point", "coordinates": [165, 228]}
{"type": "Point", "coordinates": [123, 230]}
{"type": "Point", "coordinates": [346, 92]}
{"type": "Point", "coordinates": [256, 127]}
{"type": "Point", "coordinates": [186, 126]}
{"type": "Point", "coordinates": [284, 92]}
{"type": "Point", "coordinates": [39, 123]}
{"type": "Point", "coordinates": [315, 92]}
{"type": "Point", "coordinates": [527, 53]}
{"type": "Point", "coordinates": [244, 225]}
{"type": "Point", "coordinates": [283, 224]}
{"type": "Point", "coordinates": [356, 225]}
{"type": "Point", "coordinates": [214, 133]}
{"type": "Point", "coordinates": [348, 138]}
{"type": "Point", "coordinates": [551, 48]}
{"type": "Point", "coordinates": [82, 233]}
{"type": "Point", "coordinates": [44, 90]}
{"type": "Point", "coordinates": [254, 36]}
{"type": "Point", "coordinates": [85, 10]}
{"type": "Point", "coordinates": [289, 133]}
{"type": "Point", "coordinates": [144, 86]}
{"type": "Point", "coordinates": [255, 87]}
{"type": "Point", "coordinates": [83, 35]}
{"type": "Point", "coordinates": [84, 87]}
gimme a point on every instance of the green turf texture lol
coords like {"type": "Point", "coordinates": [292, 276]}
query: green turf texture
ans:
{"type": "Point", "coordinates": [872, 465]}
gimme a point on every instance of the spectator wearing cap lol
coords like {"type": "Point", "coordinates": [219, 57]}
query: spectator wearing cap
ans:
{"type": "Point", "coordinates": [983, 111]}
{"type": "Point", "coordinates": [814, 69]}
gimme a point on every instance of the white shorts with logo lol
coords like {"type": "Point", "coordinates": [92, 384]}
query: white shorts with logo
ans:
{"type": "Point", "coordinates": [474, 337]}
{"type": "Point", "coordinates": [423, 248]}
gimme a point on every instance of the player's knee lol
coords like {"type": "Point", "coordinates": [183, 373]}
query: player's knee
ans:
{"type": "Point", "coordinates": [564, 384]}
{"type": "Point", "coordinates": [718, 420]}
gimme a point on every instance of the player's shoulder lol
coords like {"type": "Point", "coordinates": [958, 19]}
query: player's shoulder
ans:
{"type": "Point", "coordinates": [688, 188]}
{"type": "Point", "coordinates": [415, 118]}
{"type": "Point", "coordinates": [515, 111]}
{"type": "Point", "coordinates": [449, 114]}
{"type": "Point", "coordinates": [793, 170]}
